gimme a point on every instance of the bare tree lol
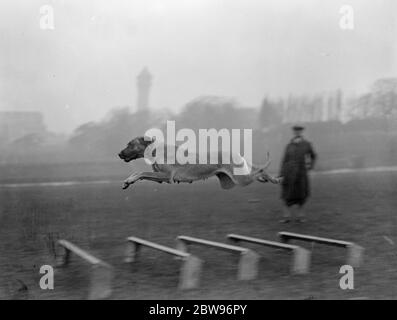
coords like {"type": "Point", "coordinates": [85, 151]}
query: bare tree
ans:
{"type": "Point", "coordinates": [384, 96]}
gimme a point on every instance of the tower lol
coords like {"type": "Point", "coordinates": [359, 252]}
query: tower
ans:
{"type": "Point", "coordinates": [144, 82]}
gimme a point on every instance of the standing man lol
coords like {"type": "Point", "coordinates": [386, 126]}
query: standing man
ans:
{"type": "Point", "coordinates": [299, 157]}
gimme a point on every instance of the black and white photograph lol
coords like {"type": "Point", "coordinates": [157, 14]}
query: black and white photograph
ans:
{"type": "Point", "coordinates": [198, 155]}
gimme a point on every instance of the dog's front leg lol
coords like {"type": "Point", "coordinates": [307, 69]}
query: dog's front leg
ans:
{"type": "Point", "coordinates": [151, 176]}
{"type": "Point", "coordinates": [172, 177]}
{"type": "Point", "coordinates": [131, 179]}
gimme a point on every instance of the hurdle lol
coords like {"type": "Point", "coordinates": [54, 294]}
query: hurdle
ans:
{"type": "Point", "coordinates": [191, 265]}
{"type": "Point", "coordinates": [101, 272]}
{"type": "Point", "coordinates": [248, 263]}
{"type": "Point", "coordinates": [354, 251]}
{"type": "Point", "coordinates": [300, 256]}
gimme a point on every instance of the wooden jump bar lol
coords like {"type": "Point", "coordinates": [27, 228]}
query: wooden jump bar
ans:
{"type": "Point", "coordinates": [219, 245]}
{"type": "Point", "coordinates": [354, 251]}
{"type": "Point", "coordinates": [190, 269]}
{"type": "Point", "coordinates": [79, 252]}
{"type": "Point", "coordinates": [274, 244]}
{"type": "Point", "coordinates": [304, 237]}
{"type": "Point", "coordinates": [300, 259]}
{"type": "Point", "coordinates": [101, 272]}
{"type": "Point", "coordinates": [248, 263]}
{"type": "Point", "coordinates": [158, 247]}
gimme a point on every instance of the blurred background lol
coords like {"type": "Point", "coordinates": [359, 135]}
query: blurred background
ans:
{"type": "Point", "coordinates": [107, 72]}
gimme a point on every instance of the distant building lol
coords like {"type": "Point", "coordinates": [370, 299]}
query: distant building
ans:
{"type": "Point", "coordinates": [144, 82]}
{"type": "Point", "coordinates": [17, 124]}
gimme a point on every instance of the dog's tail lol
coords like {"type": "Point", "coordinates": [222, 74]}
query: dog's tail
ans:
{"type": "Point", "coordinates": [257, 169]}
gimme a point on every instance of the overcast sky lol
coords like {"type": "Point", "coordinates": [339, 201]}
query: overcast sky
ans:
{"type": "Point", "coordinates": [237, 48]}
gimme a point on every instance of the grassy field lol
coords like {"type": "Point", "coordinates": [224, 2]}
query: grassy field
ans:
{"type": "Point", "coordinates": [98, 217]}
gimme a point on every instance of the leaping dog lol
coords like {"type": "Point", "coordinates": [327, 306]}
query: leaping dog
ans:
{"type": "Point", "coordinates": [176, 172]}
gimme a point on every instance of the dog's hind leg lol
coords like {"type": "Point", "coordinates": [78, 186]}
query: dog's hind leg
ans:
{"type": "Point", "coordinates": [264, 177]}
{"type": "Point", "coordinates": [225, 180]}
{"type": "Point", "coordinates": [151, 176]}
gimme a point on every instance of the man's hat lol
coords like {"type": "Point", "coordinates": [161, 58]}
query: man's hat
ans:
{"type": "Point", "coordinates": [298, 128]}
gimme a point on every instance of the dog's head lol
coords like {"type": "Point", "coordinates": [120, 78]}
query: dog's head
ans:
{"type": "Point", "coordinates": [135, 149]}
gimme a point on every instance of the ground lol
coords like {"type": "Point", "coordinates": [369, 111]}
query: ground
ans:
{"type": "Point", "coordinates": [359, 207]}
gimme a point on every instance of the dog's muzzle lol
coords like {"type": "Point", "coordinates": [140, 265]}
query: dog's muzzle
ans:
{"type": "Point", "coordinates": [126, 158]}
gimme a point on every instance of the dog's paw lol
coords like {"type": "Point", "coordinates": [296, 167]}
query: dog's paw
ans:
{"type": "Point", "coordinates": [262, 179]}
{"type": "Point", "coordinates": [125, 185]}
{"type": "Point", "coordinates": [275, 180]}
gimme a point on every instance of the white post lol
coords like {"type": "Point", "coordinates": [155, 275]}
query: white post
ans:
{"type": "Point", "coordinates": [300, 261]}
{"type": "Point", "coordinates": [131, 251]}
{"type": "Point", "coordinates": [181, 245]}
{"type": "Point", "coordinates": [354, 255]}
{"type": "Point", "coordinates": [101, 282]}
{"type": "Point", "coordinates": [63, 258]}
{"type": "Point", "coordinates": [248, 265]}
{"type": "Point", "coordinates": [189, 277]}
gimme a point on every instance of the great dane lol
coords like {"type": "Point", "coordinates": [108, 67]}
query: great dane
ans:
{"type": "Point", "coordinates": [176, 172]}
